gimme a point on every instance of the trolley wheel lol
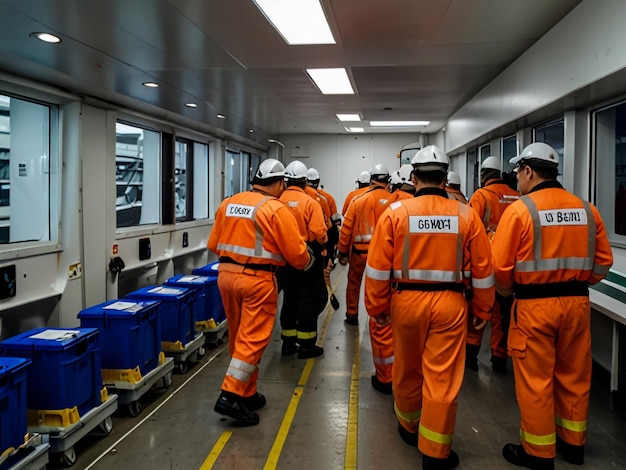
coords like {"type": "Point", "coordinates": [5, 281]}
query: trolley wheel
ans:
{"type": "Point", "coordinates": [106, 426]}
{"type": "Point", "coordinates": [68, 457]}
{"type": "Point", "coordinates": [201, 353]}
{"type": "Point", "coordinates": [167, 380]}
{"type": "Point", "coordinates": [134, 408]}
{"type": "Point", "coordinates": [182, 367]}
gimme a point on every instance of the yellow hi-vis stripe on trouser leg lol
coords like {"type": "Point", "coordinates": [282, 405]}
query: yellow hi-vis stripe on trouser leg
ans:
{"type": "Point", "coordinates": [307, 334]}
{"type": "Point", "coordinates": [410, 417]}
{"type": "Point", "coordinates": [240, 370]}
{"type": "Point", "coordinates": [289, 333]}
{"type": "Point", "coordinates": [576, 426]}
{"type": "Point", "coordinates": [435, 436]}
{"type": "Point", "coordinates": [546, 440]}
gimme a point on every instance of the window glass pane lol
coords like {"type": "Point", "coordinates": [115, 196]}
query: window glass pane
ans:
{"type": "Point", "coordinates": [25, 155]}
{"type": "Point", "coordinates": [485, 151]}
{"type": "Point", "coordinates": [509, 150]}
{"type": "Point", "coordinates": [180, 176]}
{"type": "Point", "coordinates": [233, 172]}
{"type": "Point", "coordinates": [553, 134]}
{"type": "Point", "coordinates": [200, 181]}
{"type": "Point", "coordinates": [137, 153]}
{"type": "Point", "coordinates": [472, 170]}
{"type": "Point", "coordinates": [610, 149]}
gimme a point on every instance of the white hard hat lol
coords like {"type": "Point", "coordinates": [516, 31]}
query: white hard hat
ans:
{"type": "Point", "coordinates": [430, 158]}
{"type": "Point", "coordinates": [453, 178]}
{"type": "Point", "coordinates": [313, 175]}
{"type": "Point", "coordinates": [268, 169]}
{"type": "Point", "coordinates": [379, 173]}
{"type": "Point", "coordinates": [395, 178]}
{"type": "Point", "coordinates": [491, 163]}
{"type": "Point", "coordinates": [296, 170]}
{"type": "Point", "coordinates": [405, 173]}
{"type": "Point", "coordinates": [364, 177]}
{"type": "Point", "coordinates": [537, 151]}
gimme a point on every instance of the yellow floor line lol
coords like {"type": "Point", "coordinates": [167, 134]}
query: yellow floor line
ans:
{"type": "Point", "coordinates": [216, 450]}
{"type": "Point", "coordinates": [352, 437]}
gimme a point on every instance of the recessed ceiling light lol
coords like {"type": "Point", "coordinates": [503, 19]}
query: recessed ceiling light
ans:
{"type": "Point", "coordinates": [398, 123]}
{"type": "Point", "coordinates": [221, 116]}
{"type": "Point", "coordinates": [150, 84]}
{"type": "Point", "coordinates": [348, 117]}
{"type": "Point", "coordinates": [251, 131]}
{"type": "Point", "coordinates": [191, 105]}
{"type": "Point", "coordinates": [331, 81]}
{"type": "Point", "coordinates": [298, 22]}
{"type": "Point", "coordinates": [354, 129]}
{"type": "Point", "coordinates": [46, 37]}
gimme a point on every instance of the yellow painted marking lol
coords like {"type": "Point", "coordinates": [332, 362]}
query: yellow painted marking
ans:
{"type": "Point", "coordinates": [352, 437]}
{"type": "Point", "coordinates": [306, 372]}
{"type": "Point", "coordinates": [281, 437]}
{"type": "Point", "coordinates": [216, 451]}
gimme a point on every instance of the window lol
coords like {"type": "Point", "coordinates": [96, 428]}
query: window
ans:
{"type": "Point", "coordinates": [553, 134]}
{"type": "Point", "coordinates": [473, 172]}
{"type": "Point", "coordinates": [28, 171]}
{"type": "Point", "coordinates": [182, 155]}
{"type": "Point", "coordinates": [509, 150]}
{"type": "Point", "coordinates": [485, 151]}
{"type": "Point", "coordinates": [200, 181]}
{"type": "Point", "coordinates": [239, 171]}
{"type": "Point", "coordinates": [610, 160]}
{"type": "Point", "coordinates": [137, 176]}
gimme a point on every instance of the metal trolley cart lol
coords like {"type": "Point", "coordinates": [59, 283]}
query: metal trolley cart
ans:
{"type": "Point", "coordinates": [129, 393]}
{"type": "Point", "coordinates": [32, 455]}
{"type": "Point", "coordinates": [214, 333]}
{"type": "Point", "coordinates": [184, 353]}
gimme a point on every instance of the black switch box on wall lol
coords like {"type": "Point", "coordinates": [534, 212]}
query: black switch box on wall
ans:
{"type": "Point", "coordinates": [145, 251]}
{"type": "Point", "coordinates": [7, 281]}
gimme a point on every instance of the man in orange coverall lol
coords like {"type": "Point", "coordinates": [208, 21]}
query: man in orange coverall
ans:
{"type": "Point", "coordinates": [254, 233]}
{"type": "Point", "coordinates": [549, 246]}
{"type": "Point", "coordinates": [354, 238]}
{"type": "Point", "coordinates": [304, 292]}
{"type": "Point", "coordinates": [453, 187]}
{"type": "Point", "coordinates": [423, 254]}
{"type": "Point", "coordinates": [490, 201]}
{"type": "Point", "coordinates": [363, 183]}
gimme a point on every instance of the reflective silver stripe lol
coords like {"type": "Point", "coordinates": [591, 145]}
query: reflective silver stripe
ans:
{"type": "Point", "coordinates": [484, 283]}
{"type": "Point", "coordinates": [600, 270]}
{"type": "Point", "coordinates": [552, 264]}
{"type": "Point", "coordinates": [242, 250]}
{"type": "Point", "coordinates": [377, 274]}
{"type": "Point", "coordinates": [362, 238]}
{"type": "Point", "coordinates": [240, 370]}
{"type": "Point", "coordinates": [427, 275]}
{"type": "Point", "coordinates": [406, 249]}
{"type": "Point", "coordinates": [258, 246]}
{"type": "Point", "coordinates": [383, 361]}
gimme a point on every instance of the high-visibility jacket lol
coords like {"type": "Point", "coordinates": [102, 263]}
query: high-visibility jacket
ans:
{"type": "Point", "coordinates": [308, 214]}
{"type": "Point", "coordinates": [549, 246]}
{"type": "Point", "coordinates": [456, 194]}
{"type": "Point", "coordinates": [399, 195]}
{"type": "Point", "coordinates": [321, 200]}
{"type": "Point", "coordinates": [332, 204]}
{"type": "Point", "coordinates": [351, 195]}
{"type": "Point", "coordinates": [255, 228]}
{"type": "Point", "coordinates": [423, 254]}
{"type": "Point", "coordinates": [358, 225]}
{"type": "Point", "coordinates": [491, 200]}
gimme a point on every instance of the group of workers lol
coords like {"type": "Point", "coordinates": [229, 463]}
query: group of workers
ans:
{"type": "Point", "coordinates": [437, 268]}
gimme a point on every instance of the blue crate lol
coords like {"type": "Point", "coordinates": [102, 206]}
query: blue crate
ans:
{"type": "Point", "coordinates": [65, 372]}
{"type": "Point", "coordinates": [12, 403]}
{"type": "Point", "coordinates": [208, 303]}
{"type": "Point", "coordinates": [130, 333]}
{"type": "Point", "coordinates": [177, 323]}
{"type": "Point", "coordinates": [210, 270]}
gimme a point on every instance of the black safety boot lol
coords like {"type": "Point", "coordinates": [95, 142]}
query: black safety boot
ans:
{"type": "Point", "coordinates": [571, 453]}
{"type": "Point", "coordinates": [289, 347]}
{"type": "Point", "coordinates": [471, 356]}
{"type": "Point", "coordinates": [254, 402]}
{"type": "Point", "coordinates": [232, 406]}
{"type": "Point", "coordinates": [450, 462]}
{"type": "Point", "coordinates": [410, 438]}
{"type": "Point", "coordinates": [498, 364]}
{"type": "Point", "coordinates": [516, 455]}
{"type": "Point", "coordinates": [310, 352]}
{"type": "Point", "coordinates": [382, 387]}
{"type": "Point", "coordinates": [352, 320]}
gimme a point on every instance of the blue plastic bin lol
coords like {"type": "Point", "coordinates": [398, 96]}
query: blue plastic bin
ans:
{"type": "Point", "coordinates": [65, 370]}
{"type": "Point", "coordinates": [206, 307]}
{"type": "Point", "coordinates": [214, 298]}
{"type": "Point", "coordinates": [175, 311]}
{"type": "Point", "coordinates": [210, 270]}
{"type": "Point", "coordinates": [13, 425]}
{"type": "Point", "coordinates": [130, 333]}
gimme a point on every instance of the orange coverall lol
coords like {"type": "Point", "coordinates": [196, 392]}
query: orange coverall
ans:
{"type": "Point", "coordinates": [424, 251]}
{"type": "Point", "coordinates": [548, 247]}
{"type": "Point", "coordinates": [253, 234]}
{"type": "Point", "coordinates": [351, 195]}
{"type": "Point", "coordinates": [304, 292]}
{"type": "Point", "coordinates": [456, 194]}
{"type": "Point", "coordinates": [490, 201]}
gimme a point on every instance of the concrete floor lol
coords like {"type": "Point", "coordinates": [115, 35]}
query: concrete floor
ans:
{"type": "Point", "coordinates": [337, 422]}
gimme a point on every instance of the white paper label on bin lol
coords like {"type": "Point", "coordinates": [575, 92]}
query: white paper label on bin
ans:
{"type": "Point", "coordinates": [166, 290]}
{"type": "Point", "coordinates": [122, 305]}
{"type": "Point", "coordinates": [188, 278]}
{"type": "Point", "coordinates": [56, 335]}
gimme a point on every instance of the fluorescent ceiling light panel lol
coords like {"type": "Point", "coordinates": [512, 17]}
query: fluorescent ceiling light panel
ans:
{"type": "Point", "coordinates": [348, 117]}
{"type": "Point", "coordinates": [354, 129]}
{"type": "Point", "coordinates": [331, 81]}
{"type": "Point", "coordinates": [297, 21]}
{"type": "Point", "coordinates": [398, 123]}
